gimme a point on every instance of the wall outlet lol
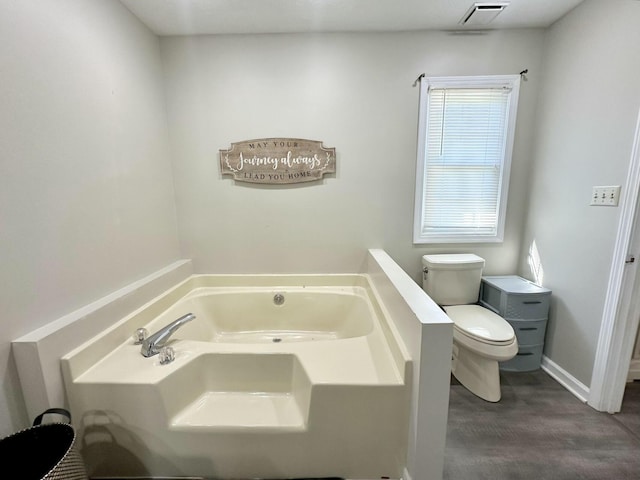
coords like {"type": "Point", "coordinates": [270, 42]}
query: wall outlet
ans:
{"type": "Point", "coordinates": [606, 196]}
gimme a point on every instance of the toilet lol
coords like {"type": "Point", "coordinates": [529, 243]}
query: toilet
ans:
{"type": "Point", "coordinates": [481, 338]}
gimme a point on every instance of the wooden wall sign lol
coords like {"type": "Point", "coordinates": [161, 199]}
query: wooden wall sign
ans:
{"type": "Point", "coordinates": [277, 160]}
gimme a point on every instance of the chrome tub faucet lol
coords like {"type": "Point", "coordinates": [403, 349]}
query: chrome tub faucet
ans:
{"type": "Point", "coordinates": [154, 343]}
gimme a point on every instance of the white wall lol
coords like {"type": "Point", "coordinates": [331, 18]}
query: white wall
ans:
{"type": "Point", "coordinates": [352, 91]}
{"type": "Point", "coordinates": [588, 109]}
{"type": "Point", "coordinates": [86, 204]}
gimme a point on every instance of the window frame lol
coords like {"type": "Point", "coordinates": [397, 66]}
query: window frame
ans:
{"type": "Point", "coordinates": [487, 81]}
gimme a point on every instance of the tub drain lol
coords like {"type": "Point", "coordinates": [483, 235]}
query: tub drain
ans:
{"type": "Point", "coordinates": [276, 340]}
{"type": "Point", "coordinates": [278, 299]}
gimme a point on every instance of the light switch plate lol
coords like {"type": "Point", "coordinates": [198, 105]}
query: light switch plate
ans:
{"type": "Point", "coordinates": [608, 196]}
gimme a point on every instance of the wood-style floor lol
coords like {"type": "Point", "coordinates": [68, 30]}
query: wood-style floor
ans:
{"type": "Point", "coordinates": [540, 431]}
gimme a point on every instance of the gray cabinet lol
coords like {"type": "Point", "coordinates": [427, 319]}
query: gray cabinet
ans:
{"type": "Point", "coordinates": [526, 307]}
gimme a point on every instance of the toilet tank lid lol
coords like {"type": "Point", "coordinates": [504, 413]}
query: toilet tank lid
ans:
{"type": "Point", "coordinates": [452, 261]}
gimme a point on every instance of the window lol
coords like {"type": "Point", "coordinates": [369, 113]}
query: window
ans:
{"type": "Point", "coordinates": [465, 142]}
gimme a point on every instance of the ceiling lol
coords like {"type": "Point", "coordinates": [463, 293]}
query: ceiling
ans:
{"type": "Point", "coordinates": [195, 17]}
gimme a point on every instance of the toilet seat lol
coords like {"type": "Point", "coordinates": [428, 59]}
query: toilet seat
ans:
{"type": "Point", "coordinates": [481, 324]}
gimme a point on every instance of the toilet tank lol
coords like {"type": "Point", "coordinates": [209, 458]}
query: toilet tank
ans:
{"type": "Point", "coordinates": [452, 279]}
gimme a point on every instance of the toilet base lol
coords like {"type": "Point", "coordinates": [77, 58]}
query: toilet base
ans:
{"type": "Point", "coordinates": [478, 374]}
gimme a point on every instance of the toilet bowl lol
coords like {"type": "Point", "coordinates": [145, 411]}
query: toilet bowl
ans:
{"type": "Point", "coordinates": [481, 338]}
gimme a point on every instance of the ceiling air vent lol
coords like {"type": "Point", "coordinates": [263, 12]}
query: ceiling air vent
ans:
{"type": "Point", "coordinates": [482, 13]}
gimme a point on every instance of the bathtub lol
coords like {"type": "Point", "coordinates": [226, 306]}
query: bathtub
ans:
{"type": "Point", "coordinates": [279, 376]}
{"type": "Point", "coordinates": [265, 314]}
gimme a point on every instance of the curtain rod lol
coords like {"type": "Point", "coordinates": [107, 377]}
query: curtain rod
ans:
{"type": "Point", "coordinates": [523, 73]}
{"type": "Point", "coordinates": [420, 77]}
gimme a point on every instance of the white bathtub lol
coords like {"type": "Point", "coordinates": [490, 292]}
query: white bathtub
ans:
{"type": "Point", "coordinates": [265, 314]}
{"type": "Point", "coordinates": [315, 386]}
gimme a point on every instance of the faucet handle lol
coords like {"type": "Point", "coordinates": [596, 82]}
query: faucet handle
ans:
{"type": "Point", "coordinates": [166, 355]}
{"type": "Point", "coordinates": [140, 335]}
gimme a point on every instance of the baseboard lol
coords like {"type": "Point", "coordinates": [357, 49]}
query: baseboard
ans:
{"type": "Point", "coordinates": [564, 378]}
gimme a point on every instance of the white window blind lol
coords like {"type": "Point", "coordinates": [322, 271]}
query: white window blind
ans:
{"type": "Point", "coordinates": [465, 148]}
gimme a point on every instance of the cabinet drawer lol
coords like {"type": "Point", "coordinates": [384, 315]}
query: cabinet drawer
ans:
{"type": "Point", "coordinates": [513, 297]}
{"type": "Point", "coordinates": [530, 332]}
{"type": "Point", "coordinates": [526, 360]}
{"type": "Point", "coordinates": [527, 307]}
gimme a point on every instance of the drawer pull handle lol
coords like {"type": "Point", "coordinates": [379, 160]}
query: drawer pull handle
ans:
{"type": "Point", "coordinates": [524, 354]}
{"type": "Point", "coordinates": [531, 302]}
{"type": "Point", "coordinates": [528, 328]}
